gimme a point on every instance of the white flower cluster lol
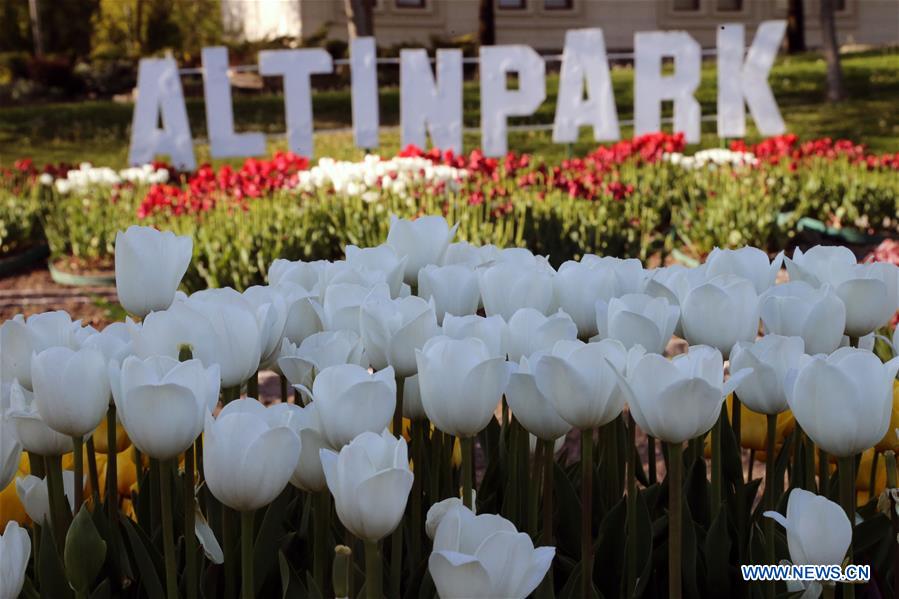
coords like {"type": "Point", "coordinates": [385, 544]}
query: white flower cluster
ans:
{"type": "Point", "coordinates": [87, 175]}
{"type": "Point", "coordinates": [711, 159]}
{"type": "Point", "coordinates": [373, 174]}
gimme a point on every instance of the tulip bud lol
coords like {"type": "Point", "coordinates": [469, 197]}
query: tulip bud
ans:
{"type": "Point", "coordinates": [351, 401]}
{"type": "Point", "coordinates": [10, 448]}
{"type": "Point", "coordinates": [796, 309]}
{"type": "Point", "coordinates": [20, 338]}
{"type": "Point", "coordinates": [34, 495]}
{"type": "Point", "coordinates": [529, 331]}
{"type": "Point", "coordinates": [421, 242]}
{"type": "Point", "coordinates": [15, 549]}
{"type": "Point", "coordinates": [454, 289]}
{"type": "Point", "coordinates": [491, 330]}
{"type": "Point", "coordinates": [532, 409]}
{"type": "Point", "coordinates": [748, 262]}
{"type": "Point", "coordinates": [305, 422]}
{"type": "Point", "coordinates": [149, 265]}
{"type": "Point", "coordinates": [71, 389]}
{"type": "Point", "coordinates": [843, 401]}
{"type": "Point", "coordinates": [638, 319]}
{"type": "Point", "coordinates": [31, 430]}
{"type": "Point", "coordinates": [579, 284]}
{"type": "Point", "coordinates": [463, 562]}
{"type": "Point", "coordinates": [249, 454]}
{"type": "Point", "coordinates": [506, 287]}
{"type": "Point", "coordinates": [460, 384]}
{"type": "Point", "coordinates": [769, 359]}
{"type": "Point", "coordinates": [818, 530]}
{"type": "Point", "coordinates": [392, 330]}
{"type": "Point", "coordinates": [383, 260]}
{"type": "Point", "coordinates": [370, 480]}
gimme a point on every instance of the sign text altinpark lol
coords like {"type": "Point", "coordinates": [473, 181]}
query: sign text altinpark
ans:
{"type": "Point", "coordinates": [431, 102]}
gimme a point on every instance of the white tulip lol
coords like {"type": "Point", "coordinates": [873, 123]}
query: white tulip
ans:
{"type": "Point", "coordinates": [485, 556]}
{"type": "Point", "coordinates": [114, 341]}
{"type": "Point", "coordinates": [21, 337]}
{"type": "Point", "coordinates": [31, 430]}
{"type": "Point", "coordinates": [301, 364]}
{"type": "Point", "coordinates": [680, 399]}
{"type": "Point", "coordinates": [579, 284]}
{"type": "Point", "coordinates": [871, 297]}
{"type": "Point", "coordinates": [460, 384]}
{"type": "Point", "coordinates": [797, 309]}
{"type": "Point", "coordinates": [304, 421]}
{"type": "Point", "coordinates": [462, 252]}
{"type": "Point", "coordinates": [843, 401]}
{"type": "Point", "coordinates": [301, 273]}
{"type": "Point", "coordinates": [71, 389]}
{"type": "Point", "coordinates": [162, 402]}
{"type": "Point", "coordinates": [770, 359]}
{"type": "Point", "coordinates": [531, 408]}
{"type": "Point", "coordinates": [748, 262]}
{"type": "Point", "coordinates": [351, 401]}
{"type": "Point", "coordinates": [489, 329]}
{"type": "Point", "coordinates": [674, 284]}
{"type": "Point", "coordinates": [10, 448]}
{"type": "Point", "coordinates": [15, 552]}
{"type": "Point", "coordinates": [35, 496]}
{"type": "Point", "coordinates": [249, 454]}
{"type": "Point", "coordinates": [454, 289]}
{"type": "Point", "coordinates": [149, 265]}
{"type": "Point", "coordinates": [393, 329]}
{"type": "Point", "coordinates": [579, 379]}
{"type": "Point", "coordinates": [818, 530]}
{"type": "Point", "coordinates": [638, 319]}
{"type": "Point", "coordinates": [271, 314]}
{"type": "Point", "coordinates": [821, 264]}
{"type": "Point", "coordinates": [507, 287]}
{"type": "Point", "coordinates": [720, 312]}
{"type": "Point", "coordinates": [383, 260]}
{"type": "Point", "coordinates": [529, 331]}
{"type": "Point", "coordinates": [558, 444]}
{"type": "Point", "coordinates": [370, 480]}
{"type": "Point", "coordinates": [343, 301]}
{"type": "Point", "coordinates": [305, 315]}
{"type": "Point", "coordinates": [412, 406]}
{"type": "Point", "coordinates": [421, 241]}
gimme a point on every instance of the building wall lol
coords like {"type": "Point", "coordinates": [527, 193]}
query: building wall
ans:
{"type": "Point", "coordinates": [860, 21]}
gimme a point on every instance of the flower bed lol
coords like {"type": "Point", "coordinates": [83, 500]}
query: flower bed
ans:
{"type": "Point", "coordinates": [637, 198]}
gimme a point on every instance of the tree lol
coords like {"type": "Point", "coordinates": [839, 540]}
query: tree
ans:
{"type": "Point", "coordinates": [486, 23]}
{"type": "Point", "coordinates": [359, 19]}
{"type": "Point", "coordinates": [836, 90]}
{"type": "Point", "coordinates": [795, 27]}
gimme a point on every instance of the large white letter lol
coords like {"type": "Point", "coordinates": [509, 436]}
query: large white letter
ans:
{"type": "Point", "coordinates": [651, 88]}
{"type": "Point", "coordinates": [364, 84]}
{"type": "Point", "coordinates": [584, 57]}
{"type": "Point", "coordinates": [428, 105]}
{"type": "Point", "coordinates": [159, 94]}
{"type": "Point", "coordinates": [223, 141]}
{"type": "Point", "coordinates": [738, 79]}
{"type": "Point", "coordinates": [296, 66]}
{"type": "Point", "coordinates": [497, 102]}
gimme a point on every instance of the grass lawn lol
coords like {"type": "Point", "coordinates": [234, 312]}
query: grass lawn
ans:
{"type": "Point", "coordinates": [98, 131]}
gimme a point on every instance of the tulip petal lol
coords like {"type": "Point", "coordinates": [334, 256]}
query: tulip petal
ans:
{"type": "Point", "coordinates": [458, 576]}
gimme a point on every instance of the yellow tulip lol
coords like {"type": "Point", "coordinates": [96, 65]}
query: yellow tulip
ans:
{"type": "Point", "coordinates": [891, 438]}
{"type": "Point", "coordinates": [101, 443]}
{"type": "Point", "coordinates": [863, 478]}
{"type": "Point", "coordinates": [126, 472]}
{"type": "Point", "coordinates": [754, 429]}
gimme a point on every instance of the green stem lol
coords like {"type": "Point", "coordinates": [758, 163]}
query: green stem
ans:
{"type": "Point", "coordinates": [168, 529]}
{"type": "Point", "coordinates": [770, 501]}
{"type": "Point", "coordinates": [93, 474]}
{"type": "Point", "coordinates": [283, 381]}
{"type": "Point", "coordinates": [112, 466]}
{"type": "Point", "coordinates": [229, 394]}
{"type": "Point", "coordinates": [716, 462]}
{"type": "Point", "coordinates": [321, 526]}
{"type": "Point", "coordinates": [651, 458]}
{"type": "Point", "coordinates": [253, 386]}
{"type": "Point", "coordinates": [417, 431]}
{"type": "Point", "coordinates": [534, 492]}
{"type": "Point", "coordinates": [823, 472]}
{"type": "Point", "coordinates": [846, 474]}
{"type": "Point", "coordinates": [154, 493]}
{"type": "Point", "coordinates": [736, 419]}
{"type": "Point", "coordinates": [546, 590]}
{"type": "Point", "coordinates": [810, 462]}
{"type": "Point", "coordinates": [829, 591]}
{"type": "Point", "coordinates": [396, 541]}
{"type": "Point", "coordinates": [78, 457]}
{"type": "Point", "coordinates": [872, 478]}
{"type": "Point", "coordinates": [228, 547]}
{"type": "Point", "coordinates": [246, 554]}
{"type": "Point", "coordinates": [340, 574]}
{"type": "Point", "coordinates": [373, 574]}
{"type": "Point", "coordinates": [631, 505]}
{"type": "Point", "coordinates": [466, 471]}
{"type": "Point", "coordinates": [675, 519]}
{"type": "Point", "coordinates": [587, 513]}
{"type": "Point", "coordinates": [436, 463]}
{"type": "Point", "coordinates": [60, 516]}
{"type": "Point", "coordinates": [190, 517]}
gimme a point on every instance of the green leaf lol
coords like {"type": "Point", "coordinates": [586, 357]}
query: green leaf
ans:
{"type": "Point", "coordinates": [85, 552]}
{"type": "Point", "coordinates": [612, 539]}
{"type": "Point", "coordinates": [142, 551]}
{"type": "Point", "coordinates": [717, 551]}
{"type": "Point", "coordinates": [52, 576]}
{"type": "Point", "coordinates": [271, 531]}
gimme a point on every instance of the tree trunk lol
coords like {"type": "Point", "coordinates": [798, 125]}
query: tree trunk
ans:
{"type": "Point", "coordinates": [359, 19]}
{"type": "Point", "coordinates": [34, 14]}
{"type": "Point", "coordinates": [486, 23]}
{"type": "Point", "coordinates": [836, 91]}
{"type": "Point", "coordinates": [796, 27]}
